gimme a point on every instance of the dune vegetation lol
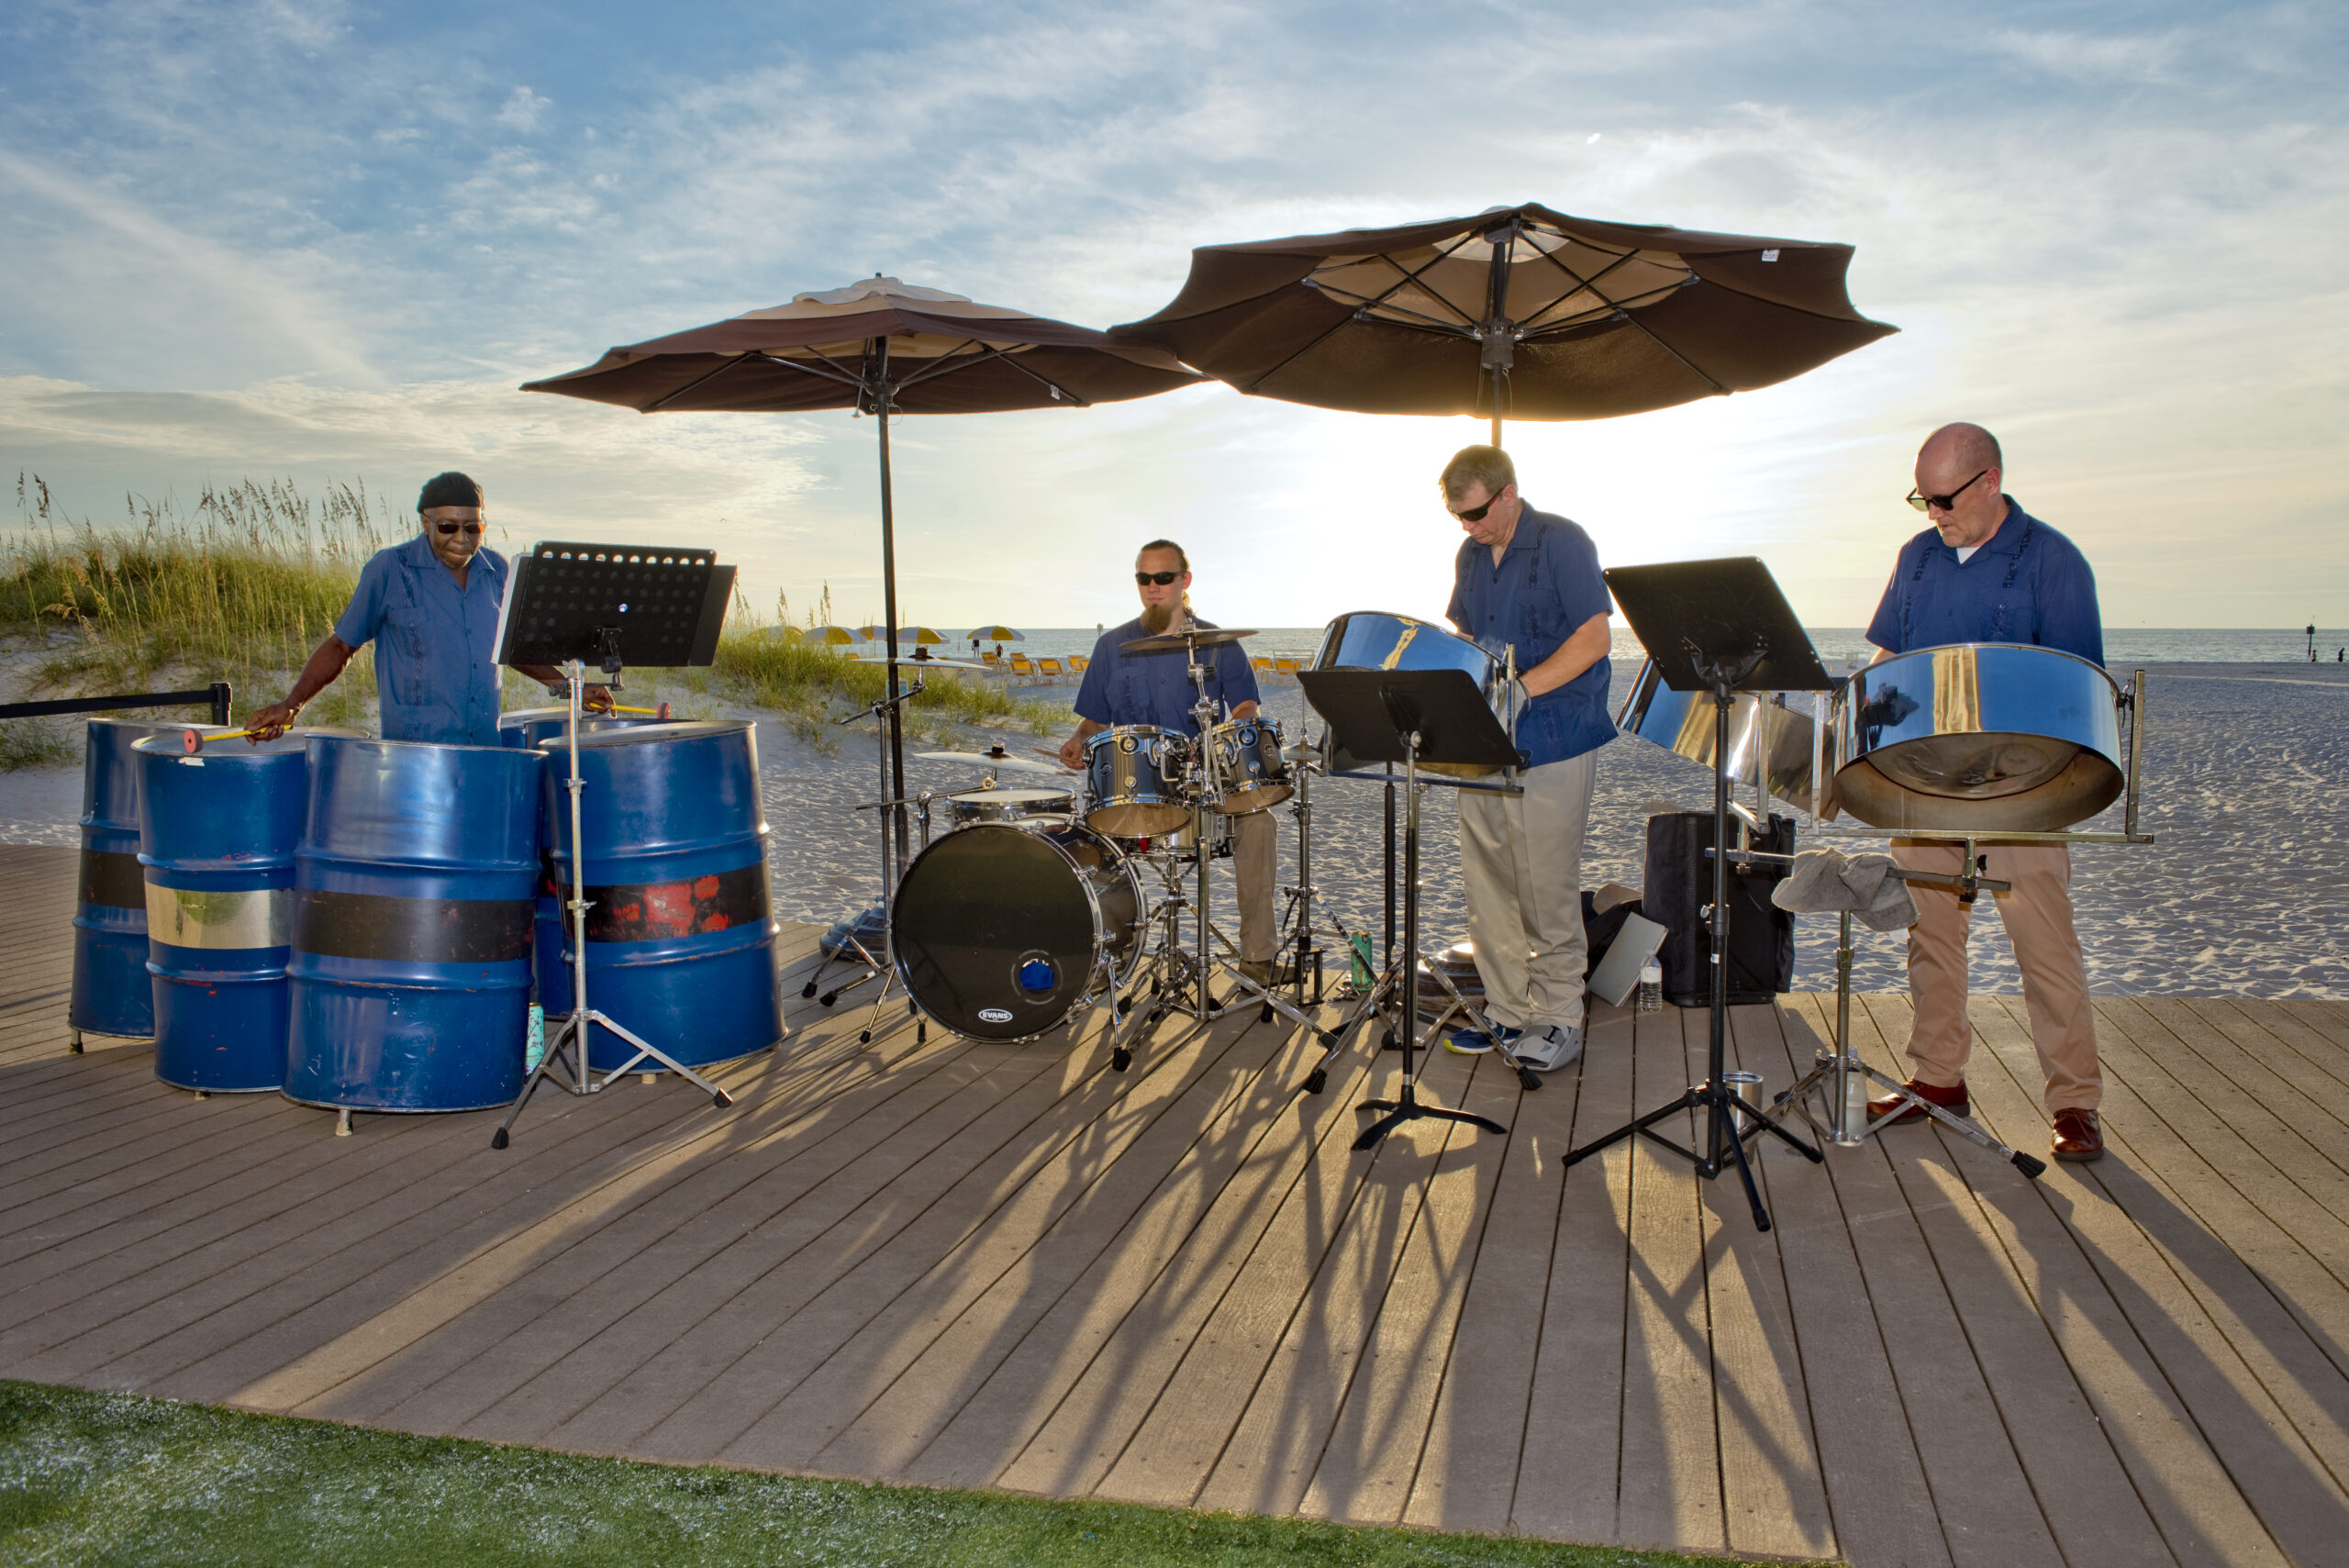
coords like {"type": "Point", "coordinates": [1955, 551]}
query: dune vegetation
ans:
{"type": "Point", "coordinates": [242, 584]}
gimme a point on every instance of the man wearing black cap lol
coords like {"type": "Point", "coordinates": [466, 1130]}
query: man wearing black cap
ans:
{"type": "Point", "coordinates": [431, 607]}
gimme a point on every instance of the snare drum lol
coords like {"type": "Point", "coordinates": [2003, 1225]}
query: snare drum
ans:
{"type": "Point", "coordinates": [1246, 755]}
{"type": "Point", "coordinates": [1001, 929]}
{"type": "Point", "coordinates": [1007, 806]}
{"type": "Point", "coordinates": [1134, 780]}
{"type": "Point", "coordinates": [1179, 841]}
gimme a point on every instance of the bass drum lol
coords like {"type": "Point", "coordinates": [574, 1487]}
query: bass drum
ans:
{"type": "Point", "coordinates": [999, 929]}
{"type": "Point", "coordinates": [1375, 640]}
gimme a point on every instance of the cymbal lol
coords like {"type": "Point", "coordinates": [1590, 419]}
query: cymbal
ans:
{"type": "Point", "coordinates": [908, 661]}
{"type": "Point", "coordinates": [998, 758]}
{"type": "Point", "coordinates": [1300, 752]}
{"type": "Point", "coordinates": [1205, 637]}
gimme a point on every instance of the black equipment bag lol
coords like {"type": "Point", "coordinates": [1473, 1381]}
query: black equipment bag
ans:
{"type": "Point", "coordinates": [1680, 885]}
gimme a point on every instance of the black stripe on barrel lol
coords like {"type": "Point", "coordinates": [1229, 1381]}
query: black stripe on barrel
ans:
{"type": "Point", "coordinates": [113, 880]}
{"type": "Point", "coordinates": [665, 911]}
{"type": "Point", "coordinates": [412, 930]}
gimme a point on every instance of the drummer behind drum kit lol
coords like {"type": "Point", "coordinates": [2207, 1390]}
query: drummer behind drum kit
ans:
{"type": "Point", "coordinates": [1030, 908]}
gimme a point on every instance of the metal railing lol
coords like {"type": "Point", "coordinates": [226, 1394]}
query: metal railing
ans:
{"type": "Point", "coordinates": [216, 695]}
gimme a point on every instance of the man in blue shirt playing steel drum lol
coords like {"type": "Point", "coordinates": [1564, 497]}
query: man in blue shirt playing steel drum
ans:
{"type": "Point", "coordinates": [431, 607]}
{"type": "Point", "coordinates": [1528, 581]}
{"type": "Point", "coordinates": [1990, 571]}
{"type": "Point", "coordinates": [1121, 688]}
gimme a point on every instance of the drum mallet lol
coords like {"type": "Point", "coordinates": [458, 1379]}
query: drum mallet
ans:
{"type": "Point", "coordinates": [662, 713]}
{"type": "Point", "coordinates": [193, 738]}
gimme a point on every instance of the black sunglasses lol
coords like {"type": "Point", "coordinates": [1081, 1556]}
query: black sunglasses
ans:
{"type": "Point", "coordinates": [1143, 579]}
{"type": "Point", "coordinates": [1476, 514]}
{"type": "Point", "coordinates": [1943, 502]}
{"type": "Point", "coordinates": [447, 528]}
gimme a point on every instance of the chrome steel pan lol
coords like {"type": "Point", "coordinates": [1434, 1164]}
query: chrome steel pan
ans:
{"type": "Point", "coordinates": [1375, 640]}
{"type": "Point", "coordinates": [1776, 723]}
{"type": "Point", "coordinates": [1977, 736]}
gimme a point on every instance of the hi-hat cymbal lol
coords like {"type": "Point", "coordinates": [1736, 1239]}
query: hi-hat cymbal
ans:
{"type": "Point", "coordinates": [998, 758]}
{"type": "Point", "coordinates": [1205, 637]}
{"type": "Point", "coordinates": [1300, 752]}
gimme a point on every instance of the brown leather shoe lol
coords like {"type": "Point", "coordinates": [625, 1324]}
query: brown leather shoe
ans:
{"type": "Point", "coordinates": [2078, 1136]}
{"type": "Point", "coordinates": [1901, 1110]}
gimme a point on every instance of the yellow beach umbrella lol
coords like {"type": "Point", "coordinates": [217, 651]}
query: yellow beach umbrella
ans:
{"type": "Point", "coordinates": [833, 636]}
{"type": "Point", "coordinates": [920, 635]}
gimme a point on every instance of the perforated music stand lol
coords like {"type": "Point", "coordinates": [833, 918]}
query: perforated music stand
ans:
{"type": "Point", "coordinates": [1409, 716]}
{"type": "Point", "coordinates": [1721, 626]}
{"type": "Point", "coordinates": [615, 604]}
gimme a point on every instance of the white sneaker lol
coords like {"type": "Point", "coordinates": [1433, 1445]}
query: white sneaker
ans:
{"type": "Point", "coordinates": [1550, 1046]}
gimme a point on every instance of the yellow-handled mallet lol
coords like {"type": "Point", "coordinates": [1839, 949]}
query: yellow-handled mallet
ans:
{"type": "Point", "coordinates": [662, 713]}
{"type": "Point", "coordinates": [193, 738]}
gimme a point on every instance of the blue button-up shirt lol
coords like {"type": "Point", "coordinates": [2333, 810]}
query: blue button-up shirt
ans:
{"type": "Point", "coordinates": [436, 644]}
{"type": "Point", "coordinates": [1545, 587]}
{"type": "Point", "coordinates": [2026, 584]}
{"type": "Point", "coordinates": [1156, 688]}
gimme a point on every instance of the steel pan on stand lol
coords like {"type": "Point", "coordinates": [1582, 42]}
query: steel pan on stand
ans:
{"type": "Point", "coordinates": [1774, 727]}
{"type": "Point", "coordinates": [1376, 639]}
{"type": "Point", "coordinates": [1978, 738]}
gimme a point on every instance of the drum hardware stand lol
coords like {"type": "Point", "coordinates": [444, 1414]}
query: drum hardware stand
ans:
{"type": "Point", "coordinates": [1407, 715]}
{"type": "Point", "coordinates": [1298, 915]}
{"type": "Point", "coordinates": [1750, 640]}
{"type": "Point", "coordinates": [565, 1056]}
{"type": "Point", "coordinates": [875, 956]}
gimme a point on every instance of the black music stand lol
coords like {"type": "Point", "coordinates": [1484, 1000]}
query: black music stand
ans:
{"type": "Point", "coordinates": [1409, 716]}
{"type": "Point", "coordinates": [615, 604]}
{"type": "Point", "coordinates": [1721, 627]}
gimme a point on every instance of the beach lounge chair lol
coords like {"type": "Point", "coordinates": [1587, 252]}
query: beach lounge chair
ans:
{"type": "Point", "coordinates": [1022, 668]}
{"type": "Point", "coordinates": [1287, 667]}
{"type": "Point", "coordinates": [1079, 662]}
{"type": "Point", "coordinates": [1261, 665]}
{"type": "Point", "coordinates": [1050, 669]}
{"type": "Point", "coordinates": [993, 662]}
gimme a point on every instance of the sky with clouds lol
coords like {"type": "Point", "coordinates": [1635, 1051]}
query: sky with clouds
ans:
{"type": "Point", "coordinates": [326, 241]}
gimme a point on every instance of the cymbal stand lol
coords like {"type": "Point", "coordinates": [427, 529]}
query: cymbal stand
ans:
{"type": "Point", "coordinates": [859, 947]}
{"type": "Point", "coordinates": [565, 1057]}
{"type": "Point", "coordinates": [1297, 919]}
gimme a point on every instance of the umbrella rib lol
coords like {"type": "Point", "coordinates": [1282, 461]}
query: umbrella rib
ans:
{"type": "Point", "coordinates": [831, 371]}
{"type": "Point", "coordinates": [1629, 321]}
{"type": "Point", "coordinates": [1409, 275]}
{"type": "Point", "coordinates": [955, 360]}
{"type": "Point", "coordinates": [668, 397]}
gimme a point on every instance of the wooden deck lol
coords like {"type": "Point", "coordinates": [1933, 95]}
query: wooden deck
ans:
{"type": "Point", "coordinates": [974, 1265]}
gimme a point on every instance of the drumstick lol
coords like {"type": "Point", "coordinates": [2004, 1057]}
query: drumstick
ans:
{"type": "Point", "coordinates": [661, 713]}
{"type": "Point", "coordinates": [1055, 756]}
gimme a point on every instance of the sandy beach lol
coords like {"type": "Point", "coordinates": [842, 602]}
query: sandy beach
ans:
{"type": "Point", "coordinates": [2242, 892]}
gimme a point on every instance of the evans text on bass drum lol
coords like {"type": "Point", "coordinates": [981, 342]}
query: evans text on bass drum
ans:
{"type": "Point", "coordinates": [1001, 930]}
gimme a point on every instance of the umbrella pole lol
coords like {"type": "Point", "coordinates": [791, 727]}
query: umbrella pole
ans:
{"type": "Point", "coordinates": [880, 360]}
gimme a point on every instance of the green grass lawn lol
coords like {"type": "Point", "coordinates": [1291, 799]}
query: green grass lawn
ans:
{"type": "Point", "coordinates": [104, 1479]}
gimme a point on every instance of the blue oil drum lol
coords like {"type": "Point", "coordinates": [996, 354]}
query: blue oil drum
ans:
{"type": "Point", "coordinates": [111, 994]}
{"type": "Point", "coordinates": [529, 728]}
{"type": "Point", "coordinates": [526, 727]}
{"type": "Point", "coordinates": [680, 934]}
{"type": "Point", "coordinates": [409, 980]}
{"type": "Point", "coordinates": [217, 833]}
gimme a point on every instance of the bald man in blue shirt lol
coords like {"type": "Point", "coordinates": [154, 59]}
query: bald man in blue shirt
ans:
{"type": "Point", "coordinates": [1987, 571]}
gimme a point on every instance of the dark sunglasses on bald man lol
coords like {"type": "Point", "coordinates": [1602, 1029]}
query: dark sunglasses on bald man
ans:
{"type": "Point", "coordinates": [1943, 502]}
{"type": "Point", "coordinates": [1143, 579]}
{"type": "Point", "coordinates": [445, 530]}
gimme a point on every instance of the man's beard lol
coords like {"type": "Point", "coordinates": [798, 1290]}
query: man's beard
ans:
{"type": "Point", "coordinates": [1156, 619]}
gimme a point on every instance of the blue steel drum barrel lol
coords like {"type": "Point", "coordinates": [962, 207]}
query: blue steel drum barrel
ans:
{"type": "Point", "coordinates": [410, 974]}
{"type": "Point", "coordinates": [111, 994]}
{"type": "Point", "coordinates": [680, 936]}
{"type": "Point", "coordinates": [528, 727]}
{"type": "Point", "coordinates": [217, 834]}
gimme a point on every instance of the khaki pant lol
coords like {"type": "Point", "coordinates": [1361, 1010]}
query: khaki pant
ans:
{"type": "Point", "coordinates": [1520, 865]}
{"type": "Point", "coordinates": [1255, 849]}
{"type": "Point", "coordinates": [2037, 914]}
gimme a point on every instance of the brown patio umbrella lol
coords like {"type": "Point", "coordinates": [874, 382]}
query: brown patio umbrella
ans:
{"type": "Point", "coordinates": [881, 347]}
{"type": "Point", "coordinates": [1520, 312]}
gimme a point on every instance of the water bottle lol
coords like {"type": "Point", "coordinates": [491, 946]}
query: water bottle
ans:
{"type": "Point", "coordinates": [534, 1045]}
{"type": "Point", "coordinates": [1363, 977]}
{"type": "Point", "coordinates": [1651, 992]}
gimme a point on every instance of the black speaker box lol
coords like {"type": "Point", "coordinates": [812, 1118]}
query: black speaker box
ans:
{"type": "Point", "coordinates": [1680, 885]}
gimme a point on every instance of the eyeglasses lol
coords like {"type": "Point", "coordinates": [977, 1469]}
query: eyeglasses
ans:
{"type": "Point", "coordinates": [445, 530]}
{"type": "Point", "coordinates": [1476, 514]}
{"type": "Point", "coordinates": [1144, 579]}
{"type": "Point", "coordinates": [1943, 502]}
